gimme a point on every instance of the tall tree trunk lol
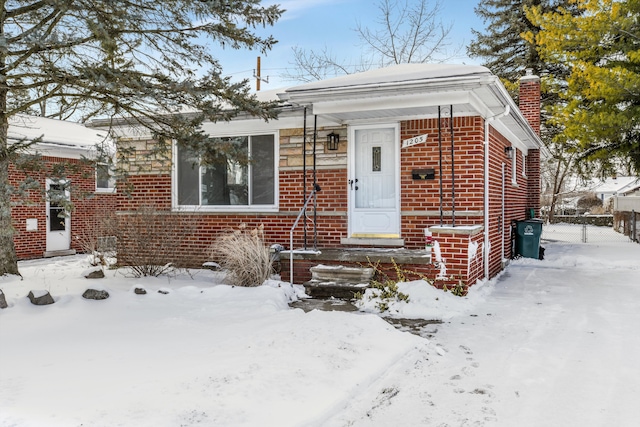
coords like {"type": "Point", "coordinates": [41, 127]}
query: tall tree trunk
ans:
{"type": "Point", "coordinates": [8, 258]}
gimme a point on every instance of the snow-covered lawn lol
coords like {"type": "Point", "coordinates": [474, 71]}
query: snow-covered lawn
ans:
{"type": "Point", "coordinates": [548, 343]}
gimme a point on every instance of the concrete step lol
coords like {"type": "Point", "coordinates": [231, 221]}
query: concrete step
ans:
{"type": "Point", "coordinates": [338, 281]}
{"type": "Point", "coordinates": [340, 273]}
{"type": "Point", "coordinates": [342, 290]}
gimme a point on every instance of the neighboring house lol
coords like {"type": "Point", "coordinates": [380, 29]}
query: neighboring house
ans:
{"type": "Point", "coordinates": [40, 225]}
{"type": "Point", "coordinates": [419, 146]}
{"type": "Point", "coordinates": [615, 186]}
{"type": "Point", "coordinates": [626, 210]}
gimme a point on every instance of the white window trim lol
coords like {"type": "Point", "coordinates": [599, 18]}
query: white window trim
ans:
{"type": "Point", "coordinates": [104, 190]}
{"type": "Point", "coordinates": [230, 208]}
{"type": "Point", "coordinates": [524, 164]}
{"type": "Point", "coordinates": [514, 167]}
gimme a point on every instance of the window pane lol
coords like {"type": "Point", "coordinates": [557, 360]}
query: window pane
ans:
{"type": "Point", "coordinates": [57, 214]}
{"type": "Point", "coordinates": [230, 178]}
{"type": "Point", "coordinates": [57, 220]}
{"type": "Point", "coordinates": [262, 170]}
{"type": "Point", "coordinates": [188, 169]}
{"type": "Point", "coordinates": [102, 176]}
{"type": "Point", "coordinates": [226, 181]}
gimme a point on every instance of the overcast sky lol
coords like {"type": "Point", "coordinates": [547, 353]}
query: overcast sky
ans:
{"type": "Point", "coordinates": [314, 24]}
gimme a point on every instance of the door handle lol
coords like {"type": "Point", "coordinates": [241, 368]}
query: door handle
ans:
{"type": "Point", "coordinates": [351, 182]}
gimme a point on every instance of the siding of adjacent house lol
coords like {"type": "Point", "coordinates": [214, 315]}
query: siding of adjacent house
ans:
{"type": "Point", "coordinates": [89, 206]}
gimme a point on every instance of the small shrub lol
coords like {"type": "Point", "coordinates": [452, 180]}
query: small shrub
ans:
{"type": "Point", "coordinates": [243, 254]}
{"type": "Point", "coordinates": [384, 288]}
{"type": "Point", "coordinates": [150, 241]}
{"type": "Point", "coordinates": [99, 240]}
{"type": "Point", "coordinates": [458, 289]}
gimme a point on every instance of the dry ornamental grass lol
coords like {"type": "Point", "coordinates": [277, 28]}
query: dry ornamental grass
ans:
{"type": "Point", "coordinates": [243, 254]}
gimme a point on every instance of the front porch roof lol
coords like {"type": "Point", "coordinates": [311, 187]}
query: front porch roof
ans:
{"type": "Point", "coordinates": [408, 91]}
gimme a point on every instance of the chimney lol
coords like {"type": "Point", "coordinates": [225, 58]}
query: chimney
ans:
{"type": "Point", "coordinates": [530, 99]}
{"type": "Point", "coordinates": [530, 108]}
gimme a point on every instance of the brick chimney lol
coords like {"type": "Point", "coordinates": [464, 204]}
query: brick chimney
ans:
{"type": "Point", "coordinates": [530, 99]}
{"type": "Point", "coordinates": [530, 107]}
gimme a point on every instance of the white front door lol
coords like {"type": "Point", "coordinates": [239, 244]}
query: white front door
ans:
{"type": "Point", "coordinates": [374, 192]}
{"type": "Point", "coordinates": [58, 222]}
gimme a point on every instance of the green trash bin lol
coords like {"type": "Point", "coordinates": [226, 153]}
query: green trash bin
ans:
{"type": "Point", "coordinates": [528, 238]}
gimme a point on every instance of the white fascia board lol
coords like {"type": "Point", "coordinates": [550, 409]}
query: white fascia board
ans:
{"type": "Point", "coordinates": [480, 106]}
{"type": "Point", "coordinates": [390, 102]}
{"type": "Point", "coordinates": [506, 131]}
{"type": "Point", "coordinates": [66, 152]}
{"type": "Point", "coordinates": [253, 126]}
{"type": "Point", "coordinates": [441, 86]}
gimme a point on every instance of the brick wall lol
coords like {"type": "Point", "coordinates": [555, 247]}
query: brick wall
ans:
{"type": "Point", "coordinates": [420, 199]}
{"type": "Point", "coordinates": [88, 205]}
{"type": "Point", "coordinates": [529, 105]}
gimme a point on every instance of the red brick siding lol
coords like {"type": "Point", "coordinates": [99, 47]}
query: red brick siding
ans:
{"type": "Point", "coordinates": [424, 195]}
{"type": "Point", "coordinates": [420, 199]}
{"type": "Point", "coordinates": [529, 100]}
{"type": "Point", "coordinates": [88, 205]}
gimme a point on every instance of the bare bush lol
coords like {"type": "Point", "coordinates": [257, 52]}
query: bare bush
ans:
{"type": "Point", "coordinates": [98, 239]}
{"type": "Point", "coordinates": [243, 254]}
{"type": "Point", "coordinates": [588, 202]}
{"type": "Point", "coordinates": [150, 241]}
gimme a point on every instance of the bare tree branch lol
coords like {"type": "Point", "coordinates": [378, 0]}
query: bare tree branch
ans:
{"type": "Point", "coordinates": [404, 32]}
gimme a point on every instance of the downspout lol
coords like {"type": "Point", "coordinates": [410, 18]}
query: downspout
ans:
{"type": "Point", "coordinates": [487, 241]}
{"type": "Point", "coordinates": [453, 171]}
{"type": "Point", "coordinates": [502, 227]}
{"type": "Point", "coordinates": [304, 174]}
{"type": "Point", "coordinates": [440, 163]}
{"type": "Point", "coordinates": [315, 184]}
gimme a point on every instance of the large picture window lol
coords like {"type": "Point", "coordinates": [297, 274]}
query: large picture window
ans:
{"type": "Point", "coordinates": [229, 182]}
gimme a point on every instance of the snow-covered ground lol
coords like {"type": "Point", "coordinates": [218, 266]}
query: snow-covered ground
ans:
{"type": "Point", "coordinates": [577, 233]}
{"type": "Point", "coordinates": [548, 343]}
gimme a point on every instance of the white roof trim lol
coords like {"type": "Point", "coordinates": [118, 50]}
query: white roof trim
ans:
{"type": "Point", "coordinates": [414, 90]}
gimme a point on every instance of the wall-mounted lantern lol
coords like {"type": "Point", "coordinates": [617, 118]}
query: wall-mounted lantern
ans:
{"type": "Point", "coordinates": [333, 139]}
{"type": "Point", "coordinates": [508, 151]}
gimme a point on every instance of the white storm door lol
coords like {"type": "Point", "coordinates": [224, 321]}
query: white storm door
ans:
{"type": "Point", "coordinates": [374, 202]}
{"type": "Point", "coordinates": [58, 222]}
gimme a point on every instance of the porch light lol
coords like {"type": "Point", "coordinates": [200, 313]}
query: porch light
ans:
{"type": "Point", "coordinates": [508, 151]}
{"type": "Point", "coordinates": [333, 139]}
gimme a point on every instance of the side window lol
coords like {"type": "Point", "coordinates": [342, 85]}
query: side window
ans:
{"type": "Point", "coordinates": [514, 166]}
{"type": "Point", "coordinates": [105, 181]}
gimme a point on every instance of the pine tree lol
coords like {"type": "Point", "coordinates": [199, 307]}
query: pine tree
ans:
{"type": "Point", "coordinates": [143, 60]}
{"type": "Point", "coordinates": [600, 101]}
{"type": "Point", "coordinates": [501, 46]}
{"type": "Point", "coordinates": [507, 54]}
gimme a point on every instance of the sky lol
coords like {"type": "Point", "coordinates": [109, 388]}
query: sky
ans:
{"type": "Point", "coordinates": [314, 24]}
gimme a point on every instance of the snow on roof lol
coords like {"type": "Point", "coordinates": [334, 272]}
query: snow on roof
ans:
{"type": "Point", "coordinates": [616, 185]}
{"type": "Point", "coordinates": [269, 95]}
{"type": "Point", "coordinates": [396, 74]}
{"type": "Point", "coordinates": [58, 132]}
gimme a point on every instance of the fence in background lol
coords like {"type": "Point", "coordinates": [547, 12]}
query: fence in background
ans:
{"type": "Point", "coordinates": [585, 232]}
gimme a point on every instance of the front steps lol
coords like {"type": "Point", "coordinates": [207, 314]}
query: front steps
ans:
{"type": "Point", "coordinates": [338, 281]}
